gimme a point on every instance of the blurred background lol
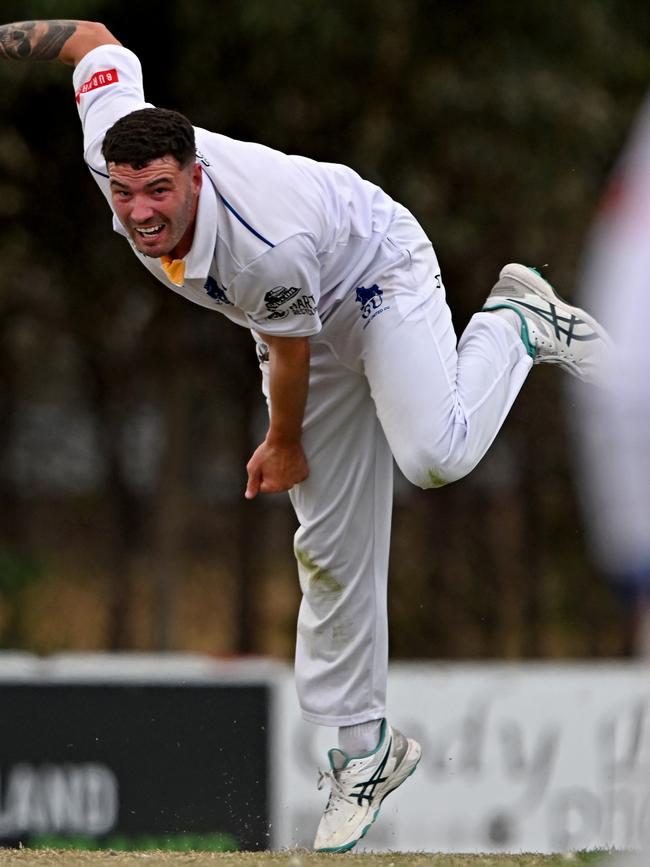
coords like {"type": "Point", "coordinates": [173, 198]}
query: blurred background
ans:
{"type": "Point", "coordinates": [127, 414]}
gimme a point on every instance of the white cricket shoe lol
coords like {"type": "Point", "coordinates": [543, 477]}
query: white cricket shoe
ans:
{"type": "Point", "coordinates": [359, 785]}
{"type": "Point", "coordinates": [552, 330]}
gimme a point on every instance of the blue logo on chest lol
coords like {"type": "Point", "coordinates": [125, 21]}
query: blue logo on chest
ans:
{"type": "Point", "coordinates": [369, 298]}
{"type": "Point", "coordinates": [216, 292]}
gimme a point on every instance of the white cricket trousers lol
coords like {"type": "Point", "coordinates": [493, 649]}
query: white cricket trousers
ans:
{"type": "Point", "coordinates": [387, 380]}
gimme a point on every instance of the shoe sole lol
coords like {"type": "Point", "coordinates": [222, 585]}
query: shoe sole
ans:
{"type": "Point", "coordinates": [526, 277]}
{"type": "Point", "coordinates": [347, 846]}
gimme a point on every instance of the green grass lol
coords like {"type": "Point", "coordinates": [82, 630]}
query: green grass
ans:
{"type": "Point", "coordinates": [293, 858]}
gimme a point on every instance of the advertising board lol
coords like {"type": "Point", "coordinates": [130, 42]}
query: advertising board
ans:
{"type": "Point", "coordinates": [108, 763]}
{"type": "Point", "coordinates": [521, 757]}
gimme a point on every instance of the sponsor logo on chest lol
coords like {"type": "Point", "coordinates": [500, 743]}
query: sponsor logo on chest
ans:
{"type": "Point", "coordinates": [372, 304]}
{"type": "Point", "coordinates": [215, 292]}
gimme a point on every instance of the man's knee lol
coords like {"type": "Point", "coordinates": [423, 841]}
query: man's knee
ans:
{"type": "Point", "coordinates": [426, 469]}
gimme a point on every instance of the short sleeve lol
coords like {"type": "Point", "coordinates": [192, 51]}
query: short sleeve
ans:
{"type": "Point", "coordinates": [108, 85]}
{"type": "Point", "coordinates": [280, 290]}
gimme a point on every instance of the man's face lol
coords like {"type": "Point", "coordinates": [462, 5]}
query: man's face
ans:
{"type": "Point", "coordinates": [157, 204]}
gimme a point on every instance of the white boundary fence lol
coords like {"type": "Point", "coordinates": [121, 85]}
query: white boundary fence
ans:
{"type": "Point", "coordinates": [522, 757]}
{"type": "Point", "coordinates": [516, 757]}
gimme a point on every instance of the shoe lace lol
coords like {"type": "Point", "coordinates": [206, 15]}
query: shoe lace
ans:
{"type": "Point", "coordinates": [336, 792]}
{"type": "Point", "coordinates": [323, 776]}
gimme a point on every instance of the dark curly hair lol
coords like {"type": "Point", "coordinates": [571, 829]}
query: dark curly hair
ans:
{"type": "Point", "coordinates": [148, 134]}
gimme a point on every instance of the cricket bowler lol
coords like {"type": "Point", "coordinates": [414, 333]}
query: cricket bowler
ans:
{"type": "Point", "coordinates": [342, 292]}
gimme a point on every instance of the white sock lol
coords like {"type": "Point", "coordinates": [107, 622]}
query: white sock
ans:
{"type": "Point", "coordinates": [510, 316]}
{"type": "Point", "coordinates": [360, 739]}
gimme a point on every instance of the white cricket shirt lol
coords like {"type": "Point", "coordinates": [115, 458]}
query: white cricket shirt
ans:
{"type": "Point", "coordinates": [279, 239]}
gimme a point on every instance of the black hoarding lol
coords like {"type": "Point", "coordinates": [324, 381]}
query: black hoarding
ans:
{"type": "Point", "coordinates": [109, 762]}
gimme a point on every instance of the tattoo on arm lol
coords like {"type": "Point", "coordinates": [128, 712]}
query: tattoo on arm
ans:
{"type": "Point", "coordinates": [34, 40]}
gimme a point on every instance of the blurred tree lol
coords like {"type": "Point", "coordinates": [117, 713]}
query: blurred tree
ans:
{"type": "Point", "coordinates": [18, 570]}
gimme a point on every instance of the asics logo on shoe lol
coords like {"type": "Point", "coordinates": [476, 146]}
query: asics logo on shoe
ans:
{"type": "Point", "coordinates": [373, 781]}
{"type": "Point", "coordinates": [561, 324]}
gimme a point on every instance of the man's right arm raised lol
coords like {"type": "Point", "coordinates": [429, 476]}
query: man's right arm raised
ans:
{"type": "Point", "coordinates": [67, 41]}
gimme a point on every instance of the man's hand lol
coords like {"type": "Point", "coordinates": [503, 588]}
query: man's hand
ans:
{"type": "Point", "coordinates": [279, 462]}
{"type": "Point", "coordinates": [275, 468]}
{"type": "Point", "coordinates": [67, 41]}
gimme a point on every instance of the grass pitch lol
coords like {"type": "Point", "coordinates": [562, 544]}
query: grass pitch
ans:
{"type": "Point", "coordinates": [294, 858]}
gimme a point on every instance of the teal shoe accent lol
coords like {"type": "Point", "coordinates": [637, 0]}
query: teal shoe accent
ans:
{"type": "Point", "coordinates": [531, 349]}
{"type": "Point", "coordinates": [382, 737]}
{"type": "Point", "coordinates": [345, 848]}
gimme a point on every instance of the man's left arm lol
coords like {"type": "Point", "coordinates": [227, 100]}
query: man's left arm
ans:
{"type": "Point", "coordinates": [279, 462]}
